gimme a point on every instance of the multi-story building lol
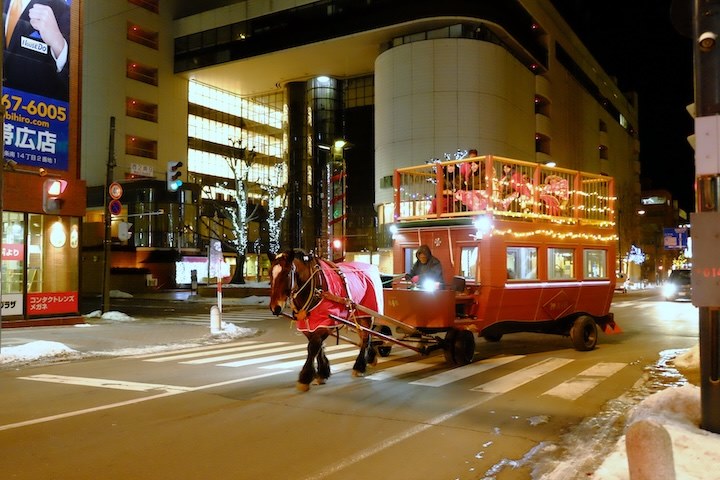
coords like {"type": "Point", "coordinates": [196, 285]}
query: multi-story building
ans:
{"type": "Point", "coordinates": [399, 81]}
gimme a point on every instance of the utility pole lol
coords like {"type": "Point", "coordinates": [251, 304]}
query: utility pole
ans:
{"type": "Point", "coordinates": [705, 222]}
{"type": "Point", "coordinates": [108, 219]}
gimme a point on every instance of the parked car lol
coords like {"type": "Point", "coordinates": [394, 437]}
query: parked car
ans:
{"type": "Point", "coordinates": [678, 285]}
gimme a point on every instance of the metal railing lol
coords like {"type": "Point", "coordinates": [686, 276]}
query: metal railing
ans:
{"type": "Point", "coordinates": [504, 187]}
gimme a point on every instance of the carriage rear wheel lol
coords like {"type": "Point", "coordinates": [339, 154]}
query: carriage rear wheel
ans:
{"type": "Point", "coordinates": [464, 347]}
{"type": "Point", "coordinates": [584, 333]}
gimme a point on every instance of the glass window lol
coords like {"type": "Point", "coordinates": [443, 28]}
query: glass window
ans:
{"type": "Point", "coordinates": [13, 253]}
{"type": "Point", "coordinates": [595, 262]}
{"type": "Point", "coordinates": [521, 263]}
{"type": "Point", "coordinates": [409, 258]}
{"type": "Point", "coordinates": [468, 262]}
{"type": "Point", "coordinates": [561, 263]}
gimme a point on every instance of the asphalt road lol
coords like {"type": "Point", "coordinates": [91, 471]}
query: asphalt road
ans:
{"type": "Point", "coordinates": [529, 405]}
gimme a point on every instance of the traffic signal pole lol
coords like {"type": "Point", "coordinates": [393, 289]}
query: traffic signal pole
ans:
{"type": "Point", "coordinates": [108, 219]}
{"type": "Point", "coordinates": [706, 219]}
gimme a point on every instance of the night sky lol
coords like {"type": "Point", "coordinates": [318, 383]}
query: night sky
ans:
{"type": "Point", "coordinates": [636, 42]}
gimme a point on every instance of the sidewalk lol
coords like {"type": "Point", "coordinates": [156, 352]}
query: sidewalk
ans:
{"type": "Point", "coordinates": [118, 334]}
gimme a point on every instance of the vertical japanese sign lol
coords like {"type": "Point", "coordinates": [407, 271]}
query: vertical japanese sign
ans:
{"type": "Point", "coordinates": [36, 85]}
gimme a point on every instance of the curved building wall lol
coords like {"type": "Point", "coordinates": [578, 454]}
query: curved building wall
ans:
{"type": "Point", "coordinates": [437, 96]}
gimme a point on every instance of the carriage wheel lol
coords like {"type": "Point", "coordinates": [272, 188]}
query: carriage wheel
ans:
{"type": "Point", "coordinates": [384, 350]}
{"type": "Point", "coordinates": [449, 346]}
{"type": "Point", "coordinates": [464, 347]}
{"type": "Point", "coordinates": [584, 333]}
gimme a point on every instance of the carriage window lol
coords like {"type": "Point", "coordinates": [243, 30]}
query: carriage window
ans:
{"type": "Point", "coordinates": [521, 263]}
{"type": "Point", "coordinates": [468, 262]}
{"type": "Point", "coordinates": [561, 265]}
{"type": "Point", "coordinates": [595, 262]}
{"type": "Point", "coordinates": [409, 260]}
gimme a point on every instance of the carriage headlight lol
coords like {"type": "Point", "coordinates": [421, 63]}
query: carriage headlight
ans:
{"type": "Point", "coordinates": [430, 285]}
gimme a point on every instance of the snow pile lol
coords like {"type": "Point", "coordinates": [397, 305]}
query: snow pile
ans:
{"type": "Point", "coordinates": [230, 330]}
{"type": "Point", "coordinates": [112, 315]}
{"type": "Point", "coordinates": [34, 351]}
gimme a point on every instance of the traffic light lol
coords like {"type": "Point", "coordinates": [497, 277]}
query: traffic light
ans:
{"type": "Point", "coordinates": [173, 175]}
{"type": "Point", "coordinates": [52, 189]}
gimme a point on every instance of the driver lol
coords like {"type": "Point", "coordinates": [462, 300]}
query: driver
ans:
{"type": "Point", "coordinates": [425, 268]}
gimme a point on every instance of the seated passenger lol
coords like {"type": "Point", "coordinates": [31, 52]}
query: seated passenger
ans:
{"type": "Point", "coordinates": [426, 268]}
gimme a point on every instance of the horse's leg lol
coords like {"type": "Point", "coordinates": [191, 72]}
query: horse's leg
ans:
{"type": "Point", "coordinates": [307, 373]}
{"type": "Point", "coordinates": [361, 361]}
{"type": "Point", "coordinates": [370, 350]}
{"type": "Point", "coordinates": [323, 364]}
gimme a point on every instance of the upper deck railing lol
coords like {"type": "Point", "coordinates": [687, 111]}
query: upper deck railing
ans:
{"type": "Point", "coordinates": [503, 187]}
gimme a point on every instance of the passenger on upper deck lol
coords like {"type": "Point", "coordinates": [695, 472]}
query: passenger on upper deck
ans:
{"type": "Point", "coordinates": [425, 268]}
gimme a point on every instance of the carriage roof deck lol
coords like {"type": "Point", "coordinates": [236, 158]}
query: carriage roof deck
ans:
{"type": "Point", "coordinates": [504, 188]}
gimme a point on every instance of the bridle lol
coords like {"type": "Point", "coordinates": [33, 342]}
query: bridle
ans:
{"type": "Point", "coordinates": [313, 285]}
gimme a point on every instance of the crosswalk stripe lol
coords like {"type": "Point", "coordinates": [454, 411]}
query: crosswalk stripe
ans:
{"type": "Point", "coordinates": [187, 350]}
{"type": "Point", "coordinates": [255, 353]}
{"type": "Point", "coordinates": [521, 377]}
{"type": "Point", "coordinates": [404, 368]}
{"type": "Point", "coordinates": [182, 356]}
{"type": "Point", "coordinates": [455, 374]}
{"type": "Point", "coordinates": [107, 383]}
{"type": "Point", "coordinates": [585, 381]}
{"type": "Point", "coordinates": [336, 355]}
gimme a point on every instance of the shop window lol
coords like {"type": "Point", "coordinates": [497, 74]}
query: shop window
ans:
{"type": "Point", "coordinates": [13, 257]}
{"type": "Point", "coordinates": [595, 263]}
{"type": "Point", "coordinates": [521, 263]}
{"type": "Point", "coordinates": [468, 262]}
{"type": "Point", "coordinates": [140, 147]}
{"type": "Point", "coordinates": [561, 263]}
{"type": "Point", "coordinates": [603, 151]}
{"type": "Point", "coordinates": [150, 5]}
{"type": "Point", "coordinates": [137, 34]}
{"type": "Point", "coordinates": [140, 109]}
{"type": "Point", "coordinates": [141, 73]}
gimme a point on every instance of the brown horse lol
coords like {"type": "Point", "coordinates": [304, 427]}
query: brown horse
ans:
{"type": "Point", "coordinates": [304, 280]}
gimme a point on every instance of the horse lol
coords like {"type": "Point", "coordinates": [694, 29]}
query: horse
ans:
{"type": "Point", "coordinates": [307, 282]}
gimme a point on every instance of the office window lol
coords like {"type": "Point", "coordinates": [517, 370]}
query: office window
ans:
{"type": "Point", "coordinates": [151, 5]}
{"type": "Point", "coordinates": [140, 147]}
{"type": "Point", "coordinates": [595, 263]}
{"type": "Point", "coordinates": [140, 109]}
{"type": "Point", "coordinates": [141, 73]}
{"type": "Point", "coordinates": [521, 263]}
{"type": "Point", "coordinates": [561, 263]}
{"type": "Point", "coordinates": [137, 34]}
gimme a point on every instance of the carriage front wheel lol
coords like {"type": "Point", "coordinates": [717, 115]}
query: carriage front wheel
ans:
{"type": "Point", "coordinates": [584, 333]}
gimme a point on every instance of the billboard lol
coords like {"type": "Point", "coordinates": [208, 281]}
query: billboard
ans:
{"type": "Point", "coordinates": [36, 77]}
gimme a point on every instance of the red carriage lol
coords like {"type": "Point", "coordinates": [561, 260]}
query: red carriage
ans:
{"type": "Point", "coordinates": [535, 253]}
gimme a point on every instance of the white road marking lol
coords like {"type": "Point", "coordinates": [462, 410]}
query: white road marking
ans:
{"type": "Point", "coordinates": [99, 408]}
{"type": "Point", "coordinates": [331, 356]}
{"type": "Point", "coordinates": [224, 350]}
{"type": "Point", "coordinates": [404, 368]}
{"type": "Point", "coordinates": [107, 383]}
{"type": "Point", "coordinates": [443, 378]}
{"type": "Point", "coordinates": [521, 377]}
{"type": "Point", "coordinates": [585, 381]}
{"type": "Point", "coordinates": [265, 351]}
{"type": "Point", "coordinates": [186, 350]}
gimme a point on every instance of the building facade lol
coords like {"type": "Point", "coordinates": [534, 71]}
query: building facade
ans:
{"type": "Point", "coordinates": [401, 82]}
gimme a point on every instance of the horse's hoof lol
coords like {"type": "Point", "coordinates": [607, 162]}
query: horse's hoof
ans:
{"type": "Point", "coordinates": [302, 387]}
{"type": "Point", "coordinates": [319, 381]}
{"type": "Point", "coordinates": [374, 362]}
{"type": "Point", "coordinates": [357, 373]}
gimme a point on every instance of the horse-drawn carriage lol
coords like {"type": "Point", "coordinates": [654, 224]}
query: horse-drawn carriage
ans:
{"type": "Point", "coordinates": [538, 256]}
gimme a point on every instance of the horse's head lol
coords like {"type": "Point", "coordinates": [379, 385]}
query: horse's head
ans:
{"type": "Point", "coordinates": [288, 272]}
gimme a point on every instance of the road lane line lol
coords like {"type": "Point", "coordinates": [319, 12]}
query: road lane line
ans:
{"type": "Point", "coordinates": [389, 442]}
{"type": "Point", "coordinates": [514, 380]}
{"type": "Point", "coordinates": [100, 408]}
{"type": "Point", "coordinates": [585, 381]}
{"type": "Point", "coordinates": [443, 378]}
